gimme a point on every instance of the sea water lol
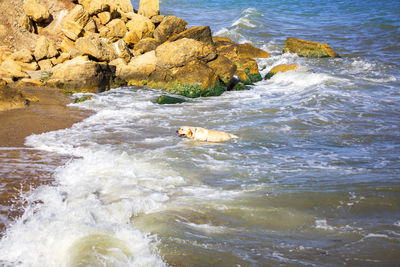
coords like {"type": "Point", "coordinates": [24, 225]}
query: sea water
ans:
{"type": "Point", "coordinates": [313, 180]}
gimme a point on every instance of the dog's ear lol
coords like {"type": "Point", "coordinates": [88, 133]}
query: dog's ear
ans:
{"type": "Point", "coordinates": [190, 133]}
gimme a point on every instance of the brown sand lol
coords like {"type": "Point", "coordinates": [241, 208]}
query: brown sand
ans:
{"type": "Point", "coordinates": [49, 114]}
{"type": "Point", "coordinates": [21, 168]}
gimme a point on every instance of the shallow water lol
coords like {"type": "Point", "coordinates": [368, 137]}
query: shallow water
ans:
{"type": "Point", "coordinates": [313, 179]}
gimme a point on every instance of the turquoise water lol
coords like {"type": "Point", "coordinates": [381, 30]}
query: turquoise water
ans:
{"type": "Point", "coordinates": [313, 180]}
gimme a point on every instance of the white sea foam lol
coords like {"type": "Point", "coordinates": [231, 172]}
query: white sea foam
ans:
{"type": "Point", "coordinates": [323, 224]}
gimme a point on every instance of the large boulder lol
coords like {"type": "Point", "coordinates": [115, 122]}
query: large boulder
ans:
{"type": "Point", "coordinates": [79, 15]}
{"type": "Point", "coordinates": [125, 6]}
{"type": "Point", "coordinates": [179, 53]}
{"type": "Point", "coordinates": [139, 27]}
{"type": "Point", "coordinates": [23, 55]}
{"type": "Point", "coordinates": [122, 51]}
{"type": "Point", "coordinates": [36, 11]}
{"type": "Point", "coordinates": [168, 27]}
{"type": "Point", "coordinates": [82, 74]}
{"type": "Point", "coordinates": [147, 44]}
{"type": "Point", "coordinates": [95, 47]}
{"type": "Point", "coordinates": [201, 34]}
{"type": "Point", "coordinates": [247, 70]}
{"type": "Point", "coordinates": [44, 48]}
{"type": "Point", "coordinates": [72, 29]}
{"type": "Point", "coordinates": [232, 50]}
{"type": "Point", "coordinates": [305, 48]}
{"type": "Point", "coordinates": [223, 68]}
{"type": "Point", "coordinates": [12, 99]}
{"type": "Point", "coordinates": [117, 29]}
{"type": "Point", "coordinates": [12, 69]}
{"type": "Point", "coordinates": [139, 69]}
{"type": "Point", "coordinates": [149, 8]}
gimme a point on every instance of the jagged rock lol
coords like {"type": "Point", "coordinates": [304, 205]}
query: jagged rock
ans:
{"type": "Point", "coordinates": [169, 26]}
{"type": "Point", "coordinates": [2, 82]}
{"type": "Point", "coordinates": [223, 68]}
{"type": "Point", "coordinates": [281, 68]}
{"type": "Point", "coordinates": [23, 55]}
{"type": "Point", "coordinates": [78, 15]}
{"type": "Point", "coordinates": [147, 44]}
{"type": "Point", "coordinates": [139, 27]}
{"type": "Point", "coordinates": [306, 48]}
{"type": "Point", "coordinates": [12, 99]}
{"type": "Point", "coordinates": [125, 6]}
{"type": "Point", "coordinates": [95, 47]}
{"type": "Point", "coordinates": [67, 45]}
{"type": "Point", "coordinates": [181, 52]}
{"type": "Point", "coordinates": [28, 24]}
{"type": "Point", "coordinates": [13, 69]}
{"type": "Point", "coordinates": [90, 27]}
{"type": "Point", "coordinates": [201, 34]}
{"type": "Point", "coordinates": [149, 8]}
{"type": "Point", "coordinates": [122, 51]}
{"type": "Point", "coordinates": [32, 66]}
{"type": "Point", "coordinates": [44, 49]}
{"type": "Point", "coordinates": [139, 69]}
{"type": "Point", "coordinates": [82, 74]}
{"type": "Point", "coordinates": [104, 17]}
{"type": "Point", "coordinates": [117, 29]}
{"type": "Point", "coordinates": [36, 11]}
{"type": "Point", "coordinates": [45, 64]}
{"type": "Point", "coordinates": [73, 30]}
{"type": "Point", "coordinates": [157, 19]}
{"type": "Point", "coordinates": [61, 59]}
{"type": "Point", "coordinates": [94, 7]}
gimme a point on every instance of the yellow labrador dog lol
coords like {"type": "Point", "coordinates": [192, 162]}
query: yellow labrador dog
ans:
{"type": "Point", "coordinates": [201, 134]}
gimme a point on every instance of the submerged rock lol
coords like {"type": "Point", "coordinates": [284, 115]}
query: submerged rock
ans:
{"type": "Point", "coordinates": [306, 48]}
{"type": "Point", "coordinates": [12, 99]}
{"type": "Point", "coordinates": [169, 100]}
{"type": "Point", "coordinates": [281, 68]}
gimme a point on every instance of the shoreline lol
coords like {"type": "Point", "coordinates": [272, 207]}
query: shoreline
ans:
{"type": "Point", "coordinates": [22, 168]}
{"type": "Point", "coordinates": [50, 113]}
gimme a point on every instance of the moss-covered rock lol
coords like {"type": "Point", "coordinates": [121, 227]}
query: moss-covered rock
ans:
{"type": "Point", "coordinates": [169, 100]}
{"type": "Point", "coordinates": [305, 48]}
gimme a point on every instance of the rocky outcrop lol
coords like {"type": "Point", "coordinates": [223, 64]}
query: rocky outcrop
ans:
{"type": "Point", "coordinates": [306, 48]}
{"type": "Point", "coordinates": [97, 43]}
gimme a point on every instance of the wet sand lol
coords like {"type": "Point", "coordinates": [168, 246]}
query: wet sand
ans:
{"type": "Point", "coordinates": [22, 168]}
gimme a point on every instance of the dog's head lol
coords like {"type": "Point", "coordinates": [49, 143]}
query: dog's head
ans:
{"type": "Point", "coordinates": [185, 131]}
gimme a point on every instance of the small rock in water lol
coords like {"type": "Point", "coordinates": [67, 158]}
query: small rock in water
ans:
{"type": "Point", "coordinates": [165, 99]}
